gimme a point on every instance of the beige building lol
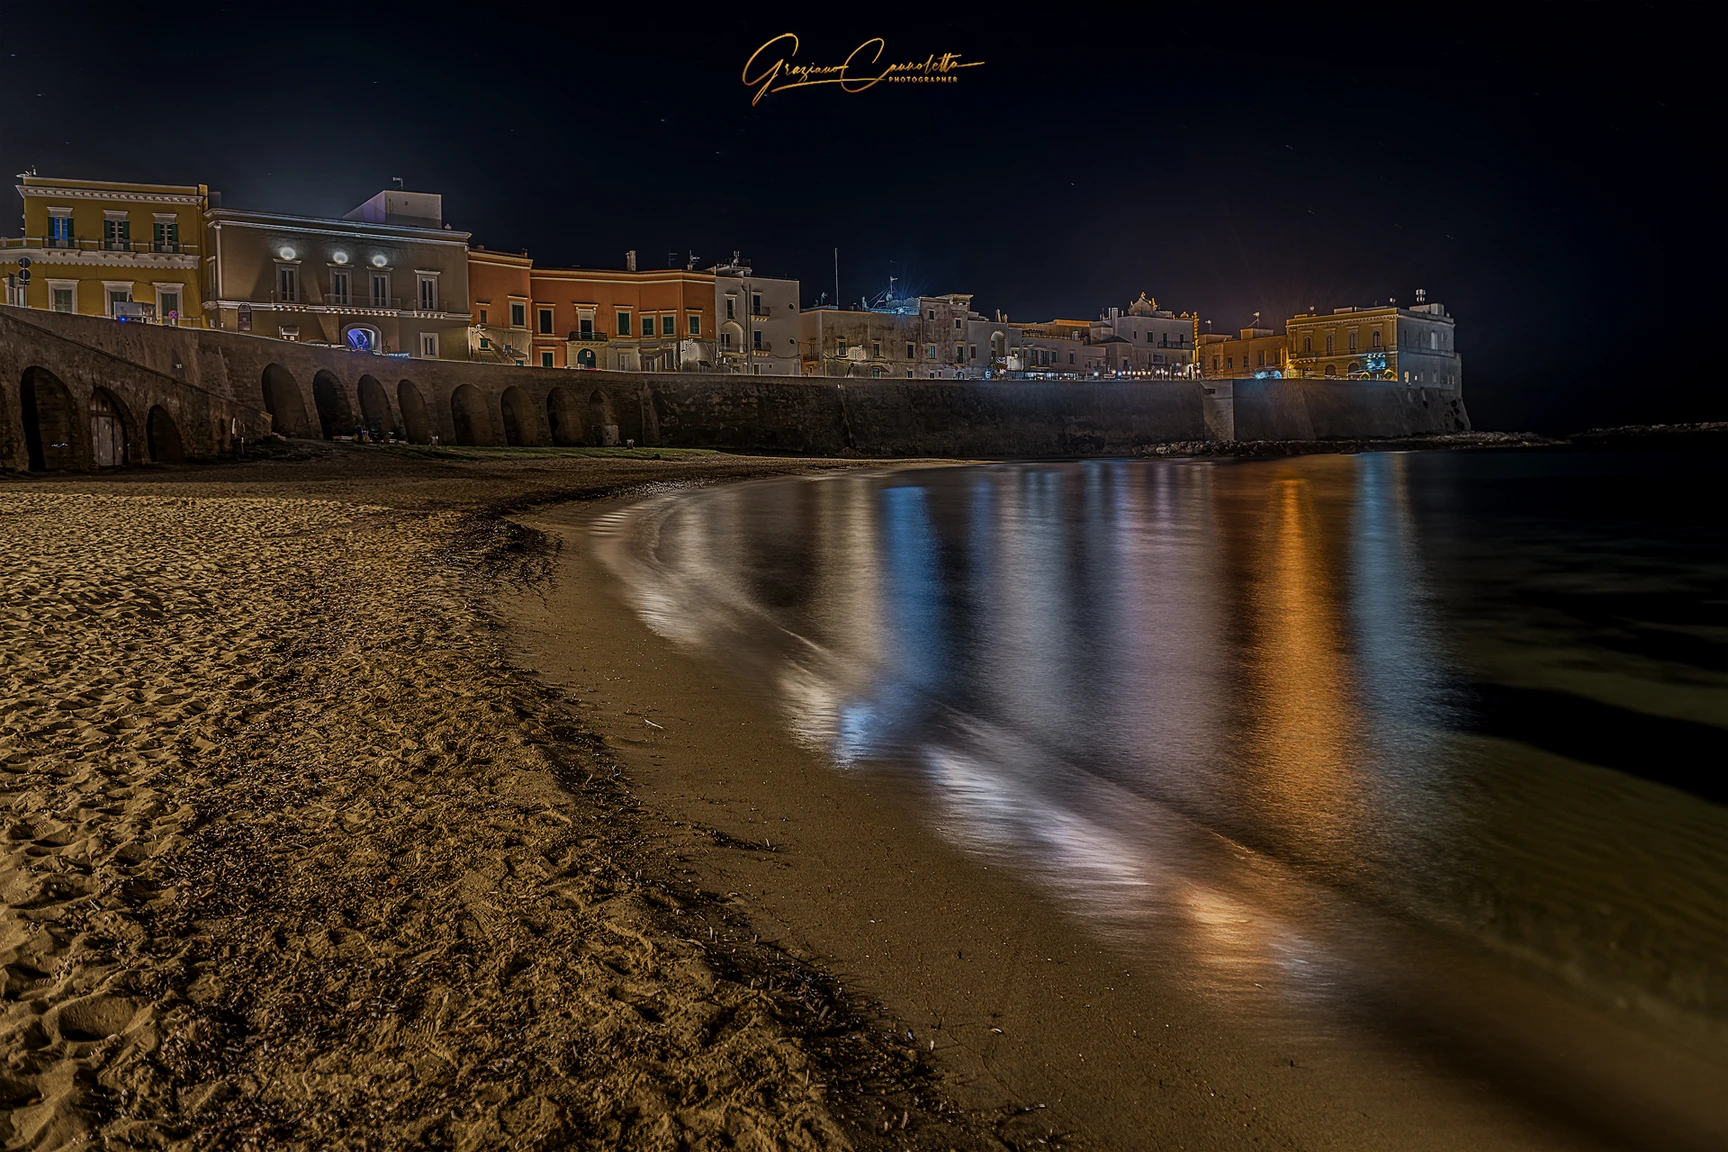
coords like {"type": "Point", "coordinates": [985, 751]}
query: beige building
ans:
{"type": "Point", "coordinates": [107, 248]}
{"type": "Point", "coordinates": [913, 338]}
{"type": "Point", "coordinates": [390, 277]}
{"type": "Point", "coordinates": [756, 320]}
{"type": "Point", "coordinates": [1415, 345]}
{"type": "Point", "coordinates": [1145, 340]}
{"type": "Point", "coordinates": [1252, 352]}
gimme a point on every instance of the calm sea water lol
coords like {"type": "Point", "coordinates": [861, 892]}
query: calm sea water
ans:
{"type": "Point", "coordinates": [1371, 730]}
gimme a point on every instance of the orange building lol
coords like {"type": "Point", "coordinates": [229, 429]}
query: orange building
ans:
{"type": "Point", "coordinates": [590, 317]}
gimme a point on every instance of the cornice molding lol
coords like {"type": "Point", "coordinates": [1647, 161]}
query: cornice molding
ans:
{"type": "Point", "coordinates": [28, 190]}
{"type": "Point", "coordinates": [96, 258]}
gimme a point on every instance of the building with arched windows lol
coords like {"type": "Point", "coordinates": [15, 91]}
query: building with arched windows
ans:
{"type": "Point", "coordinates": [1416, 345]}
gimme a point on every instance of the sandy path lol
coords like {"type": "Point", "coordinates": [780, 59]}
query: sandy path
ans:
{"type": "Point", "coordinates": [293, 858]}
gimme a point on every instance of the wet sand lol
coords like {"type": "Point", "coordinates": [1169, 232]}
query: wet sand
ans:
{"type": "Point", "coordinates": [294, 856]}
{"type": "Point", "coordinates": [1037, 1025]}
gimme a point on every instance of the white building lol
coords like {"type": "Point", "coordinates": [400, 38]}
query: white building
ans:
{"type": "Point", "coordinates": [757, 321]}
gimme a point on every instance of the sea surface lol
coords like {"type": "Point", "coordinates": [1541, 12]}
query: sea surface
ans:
{"type": "Point", "coordinates": [1431, 746]}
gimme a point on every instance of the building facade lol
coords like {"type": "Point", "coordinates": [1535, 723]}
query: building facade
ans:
{"type": "Point", "coordinates": [105, 248]}
{"type": "Point", "coordinates": [757, 321]}
{"type": "Point", "coordinates": [1145, 340]}
{"type": "Point", "coordinates": [1252, 352]}
{"type": "Point", "coordinates": [914, 338]}
{"type": "Point", "coordinates": [390, 277]}
{"type": "Point", "coordinates": [1415, 345]}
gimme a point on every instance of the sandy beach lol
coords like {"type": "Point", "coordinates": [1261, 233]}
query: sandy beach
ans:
{"type": "Point", "coordinates": [297, 858]}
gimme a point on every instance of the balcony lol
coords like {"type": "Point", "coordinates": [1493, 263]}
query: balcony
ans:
{"type": "Point", "coordinates": [361, 300]}
{"type": "Point", "coordinates": [167, 248]}
{"type": "Point", "coordinates": [588, 337]}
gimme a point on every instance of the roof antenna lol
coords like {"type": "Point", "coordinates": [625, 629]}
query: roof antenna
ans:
{"type": "Point", "coordinates": [399, 186]}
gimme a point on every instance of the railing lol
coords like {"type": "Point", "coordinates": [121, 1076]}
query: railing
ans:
{"type": "Point", "coordinates": [75, 244]}
{"type": "Point", "coordinates": [589, 337]}
{"type": "Point", "coordinates": [361, 300]}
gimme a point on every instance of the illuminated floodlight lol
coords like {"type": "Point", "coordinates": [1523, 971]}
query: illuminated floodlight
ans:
{"type": "Point", "coordinates": [339, 257]}
{"type": "Point", "coordinates": [286, 253]}
{"type": "Point", "coordinates": [378, 261]}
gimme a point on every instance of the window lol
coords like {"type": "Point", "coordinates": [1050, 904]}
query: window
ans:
{"type": "Point", "coordinates": [381, 289]}
{"type": "Point", "coordinates": [695, 325]}
{"type": "Point", "coordinates": [1434, 340]}
{"type": "Point", "coordinates": [959, 353]}
{"type": "Point", "coordinates": [482, 316]}
{"type": "Point", "coordinates": [287, 284]}
{"type": "Point", "coordinates": [485, 343]}
{"type": "Point", "coordinates": [62, 297]}
{"type": "Point", "coordinates": [1375, 341]}
{"type": "Point", "coordinates": [839, 345]}
{"type": "Point", "coordinates": [668, 325]}
{"type": "Point", "coordinates": [647, 325]}
{"type": "Point", "coordinates": [1259, 359]}
{"type": "Point", "coordinates": [167, 236]}
{"type": "Point", "coordinates": [545, 322]}
{"type": "Point", "coordinates": [1328, 343]}
{"type": "Point", "coordinates": [1070, 357]}
{"type": "Point", "coordinates": [585, 327]}
{"type": "Point", "coordinates": [932, 313]}
{"type": "Point", "coordinates": [116, 232]}
{"type": "Point", "coordinates": [956, 322]}
{"type": "Point", "coordinates": [973, 349]}
{"type": "Point", "coordinates": [545, 359]}
{"type": "Point", "coordinates": [726, 340]}
{"type": "Point", "coordinates": [1352, 340]}
{"type": "Point", "coordinates": [1229, 362]}
{"type": "Point", "coordinates": [1307, 343]}
{"type": "Point", "coordinates": [518, 315]}
{"type": "Point", "coordinates": [60, 228]}
{"type": "Point", "coordinates": [730, 304]}
{"type": "Point", "coordinates": [429, 345]}
{"type": "Point", "coordinates": [876, 348]}
{"type": "Point", "coordinates": [288, 333]}
{"type": "Point", "coordinates": [168, 305]}
{"type": "Point", "coordinates": [623, 323]}
{"type": "Point", "coordinates": [338, 286]}
{"type": "Point", "coordinates": [911, 352]}
{"type": "Point", "coordinates": [930, 350]}
{"type": "Point", "coordinates": [428, 293]}
{"type": "Point", "coordinates": [875, 373]}
{"type": "Point", "coordinates": [756, 304]}
{"type": "Point", "coordinates": [1214, 363]}
{"type": "Point", "coordinates": [756, 338]}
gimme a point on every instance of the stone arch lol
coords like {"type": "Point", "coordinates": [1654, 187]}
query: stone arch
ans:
{"type": "Point", "coordinates": [602, 421]}
{"type": "Point", "coordinates": [162, 437]}
{"type": "Point", "coordinates": [110, 439]}
{"type": "Point", "coordinates": [335, 418]}
{"type": "Point", "coordinates": [468, 412]}
{"type": "Point", "coordinates": [52, 440]}
{"type": "Point", "coordinates": [282, 400]}
{"type": "Point", "coordinates": [416, 424]}
{"type": "Point", "coordinates": [585, 358]}
{"type": "Point", "coordinates": [563, 417]}
{"type": "Point", "coordinates": [520, 426]}
{"type": "Point", "coordinates": [374, 406]}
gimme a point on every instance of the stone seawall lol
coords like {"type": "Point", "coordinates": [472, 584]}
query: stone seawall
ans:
{"type": "Point", "coordinates": [188, 392]}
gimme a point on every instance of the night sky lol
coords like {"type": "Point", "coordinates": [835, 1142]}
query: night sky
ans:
{"type": "Point", "coordinates": [1554, 176]}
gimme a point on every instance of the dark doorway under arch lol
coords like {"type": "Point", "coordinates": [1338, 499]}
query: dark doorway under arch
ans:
{"type": "Point", "coordinates": [335, 418]}
{"type": "Point", "coordinates": [468, 412]}
{"type": "Point", "coordinates": [374, 407]}
{"type": "Point", "coordinates": [51, 437]}
{"type": "Point", "coordinates": [416, 424]}
{"type": "Point", "coordinates": [563, 418]}
{"type": "Point", "coordinates": [282, 400]}
{"type": "Point", "coordinates": [602, 424]}
{"type": "Point", "coordinates": [108, 441]}
{"type": "Point", "coordinates": [163, 438]}
{"type": "Point", "coordinates": [519, 423]}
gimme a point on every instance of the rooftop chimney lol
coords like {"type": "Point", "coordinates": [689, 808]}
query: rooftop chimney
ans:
{"type": "Point", "coordinates": [630, 260]}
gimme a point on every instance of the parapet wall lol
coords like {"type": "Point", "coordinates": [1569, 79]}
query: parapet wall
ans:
{"type": "Point", "coordinates": [211, 386]}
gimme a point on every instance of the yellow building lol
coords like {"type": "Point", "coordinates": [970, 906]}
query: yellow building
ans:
{"type": "Point", "coordinates": [1253, 352]}
{"type": "Point", "coordinates": [106, 248]}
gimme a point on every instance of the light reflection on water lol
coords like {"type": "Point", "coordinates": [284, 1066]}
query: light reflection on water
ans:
{"type": "Point", "coordinates": [1267, 708]}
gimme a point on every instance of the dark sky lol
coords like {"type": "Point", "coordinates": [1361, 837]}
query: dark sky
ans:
{"type": "Point", "coordinates": [1553, 175]}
